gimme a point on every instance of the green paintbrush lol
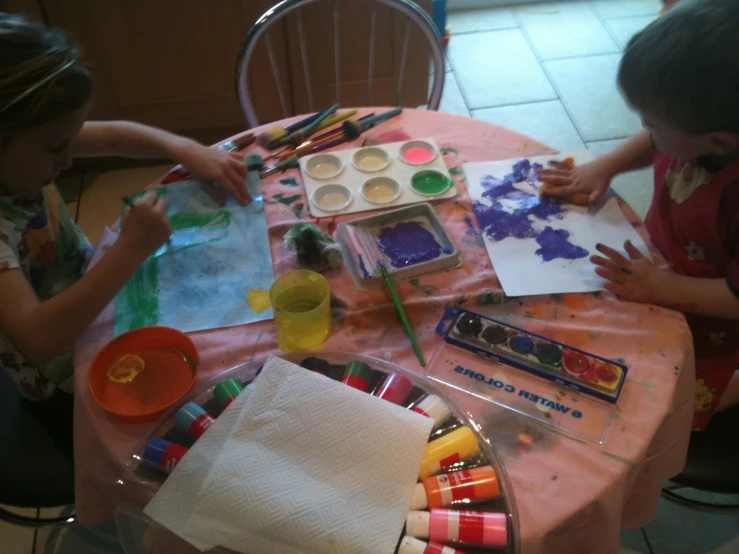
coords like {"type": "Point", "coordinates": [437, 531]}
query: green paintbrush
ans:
{"type": "Point", "coordinates": [401, 312]}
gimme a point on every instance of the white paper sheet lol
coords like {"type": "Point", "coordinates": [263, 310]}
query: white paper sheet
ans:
{"type": "Point", "coordinates": [309, 466]}
{"type": "Point", "coordinates": [536, 245]}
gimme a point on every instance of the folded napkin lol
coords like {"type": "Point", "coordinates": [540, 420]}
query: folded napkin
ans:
{"type": "Point", "coordinates": [308, 465]}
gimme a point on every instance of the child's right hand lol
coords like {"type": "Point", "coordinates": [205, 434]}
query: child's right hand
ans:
{"type": "Point", "coordinates": [146, 226]}
{"type": "Point", "coordinates": [592, 178]}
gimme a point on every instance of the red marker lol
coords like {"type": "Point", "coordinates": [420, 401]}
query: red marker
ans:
{"type": "Point", "coordinates": [357, 375]}
{"type": "Point", "coordinates": [193, 420]}
{"type": "Point", "coordinates": [395, 388]}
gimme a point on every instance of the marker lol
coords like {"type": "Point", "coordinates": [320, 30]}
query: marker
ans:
{"type": "Point", "coordinates": [446, 451]}
{"type": "Point", "coordinates": [486, 529]}
{"type": "Point", "coordinates": [410, 545]}
{"type": "Point", "coordinates": [163, 454]}
{"type": "Point", "coordinates": [357, 375]}
{"type": "Point", "coordinates": [395, 388]}
{"type": "Point", "coordinates": [227, 391]}
{"type": "Point", "coordinates": [479, 484]}
{"type": "Point", "coordinates": [193, 420]}
{"type": "Point", "coordinates": [434, 407]}
{"type": "Point", "coordinates": [317, 365]}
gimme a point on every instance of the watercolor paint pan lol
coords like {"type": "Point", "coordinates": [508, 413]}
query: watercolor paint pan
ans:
{"type": "Point", "coordinates": [375, 177]}
{"type": "Point", "coordinates": [410, 241]}
{"type": "Point", "coordinates": [559, 363]}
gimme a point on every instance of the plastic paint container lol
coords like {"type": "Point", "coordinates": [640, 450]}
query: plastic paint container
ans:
{"type": "Point", "coordinates": [418, 152]}
{"type": "Point", "coordinates": [325, 166]}
{"type": "Point", "coordinates": [370, 159]}
{"type": "Point", "coordinates": [164, 455]}
{"type": "Point", "coordinates": [226, 391]}
{"type": "Point", "coordinates": [380, 190]}
{"type": "Point", "coordinates": [301, 302]}
{"type": "Point", "coordinates": [434, 407]}
{"type": "Point", "coordinates": [430, 182]}
{"type": "Point", "coordinates": [193, 420]}
{"type": "Point", "coordinates": [486, 529]}
{"type": "Point", "coordinates": [331, 198]}
{"type": "Point", "coordinates": [446, 451]}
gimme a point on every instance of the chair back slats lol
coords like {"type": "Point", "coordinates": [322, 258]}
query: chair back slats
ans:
{"type": "Point", "coordinates": [304, 56]}
{"type": "Point", "coordinates": [337, 55]}
{"type": "Point", "coordinates": [276, 74]}
{"type": "Point", "coordinates": [373, 30]}
{"type": "Point", "coordinates": [403, 59]}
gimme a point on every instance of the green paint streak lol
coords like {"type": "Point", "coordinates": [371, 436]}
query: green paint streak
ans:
{"type": "Point", "coordinates": [449, 150]}
{"type": "Point", "coordinates": [289, 181]}
{"type": "Point", "coordinates": [414, 282]}
{"type": "Point", "coordinates": [455, 171]}
{"type": "Point", "coordinates": [621, 459]}
{"type": "Point", "coordinates": [644, 384]}
{"type": "Point", "coordinates": [297, 209]}
{"type": "Point", "coordinates": [195, 229]}
{"type": "Point", "coordinates": [491, 298]}
{"type": "Point", "coordinates": [286, 200]}
{"type": "Point", "coordinates": [459, 205]}
{"type": "Point", "coordinates": [137, 305]}
{"type": "Point", "coordinates": [561, 434]}
{"type": "Point", "coordinates": [186, 221]}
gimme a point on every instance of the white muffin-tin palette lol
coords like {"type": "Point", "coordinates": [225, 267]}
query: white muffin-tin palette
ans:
{"type": "Point", "coordinates": [375, 177]}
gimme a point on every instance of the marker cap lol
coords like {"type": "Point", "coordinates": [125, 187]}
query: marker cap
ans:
{"type": "Point", "coordinates": [417, 524]}
{"type": "Point", "coordinates": [419, 501]}
{"type": "Point", "coordinates": [409, 545]}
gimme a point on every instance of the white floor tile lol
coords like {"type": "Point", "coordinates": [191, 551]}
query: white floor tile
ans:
{"type": "Point", "coordinates": [626, 8]}
{"type": "Point", "coordinates": [679, 530]}
{"type": "Point", "coordinates": [496, 68]}
{"type": "Point", "coordinates": [627, 27]}
{"type": "Point", "coordinates": [587, 87]}
{"type": "Point", "coordinates": [546, 122]}
{"type": "Point", "coordinates": [451, 99]}
{"type": "Point", "coordinates": [15, 539]}
{"type": "Point", "coordinates": [635, 187]}
{"type": "Point", "coordinates": [566, 29]}
{"type": "Point", "coordinates": [633, 542]}
{"type": "Point", "coordinates": [486, 19]}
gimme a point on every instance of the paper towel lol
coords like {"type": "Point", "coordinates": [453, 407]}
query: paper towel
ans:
{"type": "Point", "coordinates": [309, 466]}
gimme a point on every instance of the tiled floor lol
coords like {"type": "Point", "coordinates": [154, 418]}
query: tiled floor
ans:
{"type": "Point", "coordinates": [547, 70]}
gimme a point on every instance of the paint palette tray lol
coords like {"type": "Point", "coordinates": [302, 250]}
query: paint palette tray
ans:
{"type": "Point", "coordinates": [375, 177]}
{"type": "Point", "coordinates": [410, 241]}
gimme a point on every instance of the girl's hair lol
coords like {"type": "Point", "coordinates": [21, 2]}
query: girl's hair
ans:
{"type": "Point", "coordinates": [32, 55]}
{"type": "Point", "coordinates": [683, 68]}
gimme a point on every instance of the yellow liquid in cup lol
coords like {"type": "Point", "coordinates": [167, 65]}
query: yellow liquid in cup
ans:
{"type": "Point", "coordinates": [301, 302]}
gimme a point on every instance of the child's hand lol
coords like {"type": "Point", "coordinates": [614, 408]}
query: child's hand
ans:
{"type": "Point", "coordinates": [210, 165]}
{"type": "Point", "coordinates": [146, 226]}
{"type": "Point", "coordinates": [636, 279]}
{"type": "Point", "coordinates": [565, 179]}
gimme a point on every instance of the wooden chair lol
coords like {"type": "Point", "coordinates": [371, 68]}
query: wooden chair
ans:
{"type": "Point", "coordinates": [413, 14]}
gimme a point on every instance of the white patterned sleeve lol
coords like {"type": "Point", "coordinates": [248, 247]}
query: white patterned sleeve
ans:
{"type": "Point", "coordinates": [9, 241]}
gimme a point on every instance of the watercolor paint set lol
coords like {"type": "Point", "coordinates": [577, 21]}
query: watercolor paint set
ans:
{"type": "Point", "coordinates": [411, 242]}
{"type": "Point", "coordinates": [559, 363]}
{"type": "Point", "coordinates": [462, 500]}
{"type": "Point", "coordinates": [375, 177]}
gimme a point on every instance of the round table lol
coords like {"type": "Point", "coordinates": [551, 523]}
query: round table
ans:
{"type": "Point", "coordinates": [572, 496]}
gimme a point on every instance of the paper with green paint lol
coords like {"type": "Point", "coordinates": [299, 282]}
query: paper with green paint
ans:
{"type": "Point", "coordinates": [199, 279]}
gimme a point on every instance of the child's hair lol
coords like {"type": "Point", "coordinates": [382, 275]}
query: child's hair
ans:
{"type": "Point", "coordinates": [41, 78]}
{"type": "Point", "coordinates": [684, 67]}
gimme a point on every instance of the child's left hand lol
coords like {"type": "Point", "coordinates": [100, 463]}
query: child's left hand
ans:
{"type": "Point", "coordinates": [210, 165]}
{"type": "Point", "coordinates": [636, 279]}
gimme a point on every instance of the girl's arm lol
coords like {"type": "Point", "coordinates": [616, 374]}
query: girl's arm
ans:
{"type": "Point", "coordinates": [133, 140]}
{"type": "Point", "coordinates": [43, 330]}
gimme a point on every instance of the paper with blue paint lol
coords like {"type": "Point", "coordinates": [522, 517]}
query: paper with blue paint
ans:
{"type": "Point", "coordinates": [538, 245]}
{"type": "Point", "coordinates": [199, 279]}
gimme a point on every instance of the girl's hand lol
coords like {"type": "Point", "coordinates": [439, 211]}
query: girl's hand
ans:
{"type": "Point", "coordinates": [592, 178]}
{"type": "Point", "coordinates": [636, 279]}
{"type": "Point", "coordinates": [146, 226]}
{"type": "Point", "coordinates": [210, 165]}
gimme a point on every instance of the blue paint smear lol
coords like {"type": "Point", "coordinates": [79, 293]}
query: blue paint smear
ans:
{"type": "Point", "coordinates": [554, 244]}
{"type": "Point", "coordinates": [363, 268]}
{"type": "Point", "coordinates": [408, 243]}
{"type": "Point", "coordinates": [470, 227]}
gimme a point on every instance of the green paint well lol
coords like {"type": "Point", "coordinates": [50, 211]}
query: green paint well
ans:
{"type": "Point", "coordinates": [547, 353]}
{"type": "Point", "coordinates": [455, 171]}
{"type": "Point", "coordinates": [430, 182]}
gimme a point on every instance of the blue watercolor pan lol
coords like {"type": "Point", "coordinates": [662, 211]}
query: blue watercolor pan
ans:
{"type": "Point", "coordinates": [410, 241]}
{"type": "Point", "coordinates": [547, 358]}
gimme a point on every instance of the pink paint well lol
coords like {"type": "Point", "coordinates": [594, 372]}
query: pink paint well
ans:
{"type": "Point", "coordinates": [418, 155]}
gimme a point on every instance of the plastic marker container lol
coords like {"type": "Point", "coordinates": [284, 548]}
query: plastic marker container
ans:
{"type": "Point", "coordinates": [227, 391]}
{"type": "Point", "coordinates": [164, 455]}
{"type": "Point", "coordinates": [446, 451]}
{"type": "Point", "coordinates": [434, 407]}
{"type": "Point", "coordinates": [486, 529]}
{"type": "Point", "coordinates": [193, 420]}
{"type": "Point", "coordinates": [467, 486]}
{"type": "Point", "coordinates": [395, 388]}
{"type": "Point", "coordinates": [410, 545]}
{"type": "Point", "coordinates": [357, 375]}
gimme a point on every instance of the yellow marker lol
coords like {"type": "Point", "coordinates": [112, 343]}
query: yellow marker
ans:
{"type": "Point", "coordinates": [446, 451]}
{"type": "Point", "coordinates": [126, 368]}
{"type": "Point", "coordinates": [258, 300]}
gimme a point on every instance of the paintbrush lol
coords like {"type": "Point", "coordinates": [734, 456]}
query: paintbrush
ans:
{"type": "Point", "coordinates": [335, 119]}
{"type": "Point", "coordinates": [296, 138]}
{"type": "Point", "coordinates": [352, 129]}
{"type": "Point", "coordinates": [275, 133]}
{"type": "Point", "coordinates": [282, 166]}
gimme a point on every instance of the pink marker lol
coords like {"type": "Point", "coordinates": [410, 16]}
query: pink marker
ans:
{"type": "Point", "coordinates": [434, 407]}
{"type": "Point", "coordinates": [409, 545]}
{"type": "Point", "coordinates": [486, 529]}
{"type": "Point", "coordinates": [395, 388]}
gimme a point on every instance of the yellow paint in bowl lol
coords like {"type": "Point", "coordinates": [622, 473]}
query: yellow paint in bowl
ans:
{"type": "Point", "coordinates": [380, 190]}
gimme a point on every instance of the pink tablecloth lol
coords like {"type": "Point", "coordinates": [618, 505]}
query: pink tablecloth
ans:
{"type": "Point", "coordinates": [571, 496]}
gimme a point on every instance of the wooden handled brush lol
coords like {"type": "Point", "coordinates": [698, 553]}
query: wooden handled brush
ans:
{"type": "Point", "coordinates": [352, 129]}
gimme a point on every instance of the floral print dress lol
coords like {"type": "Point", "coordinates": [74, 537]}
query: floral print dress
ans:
{"type": "Point", "coordinates": [38, 237]}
